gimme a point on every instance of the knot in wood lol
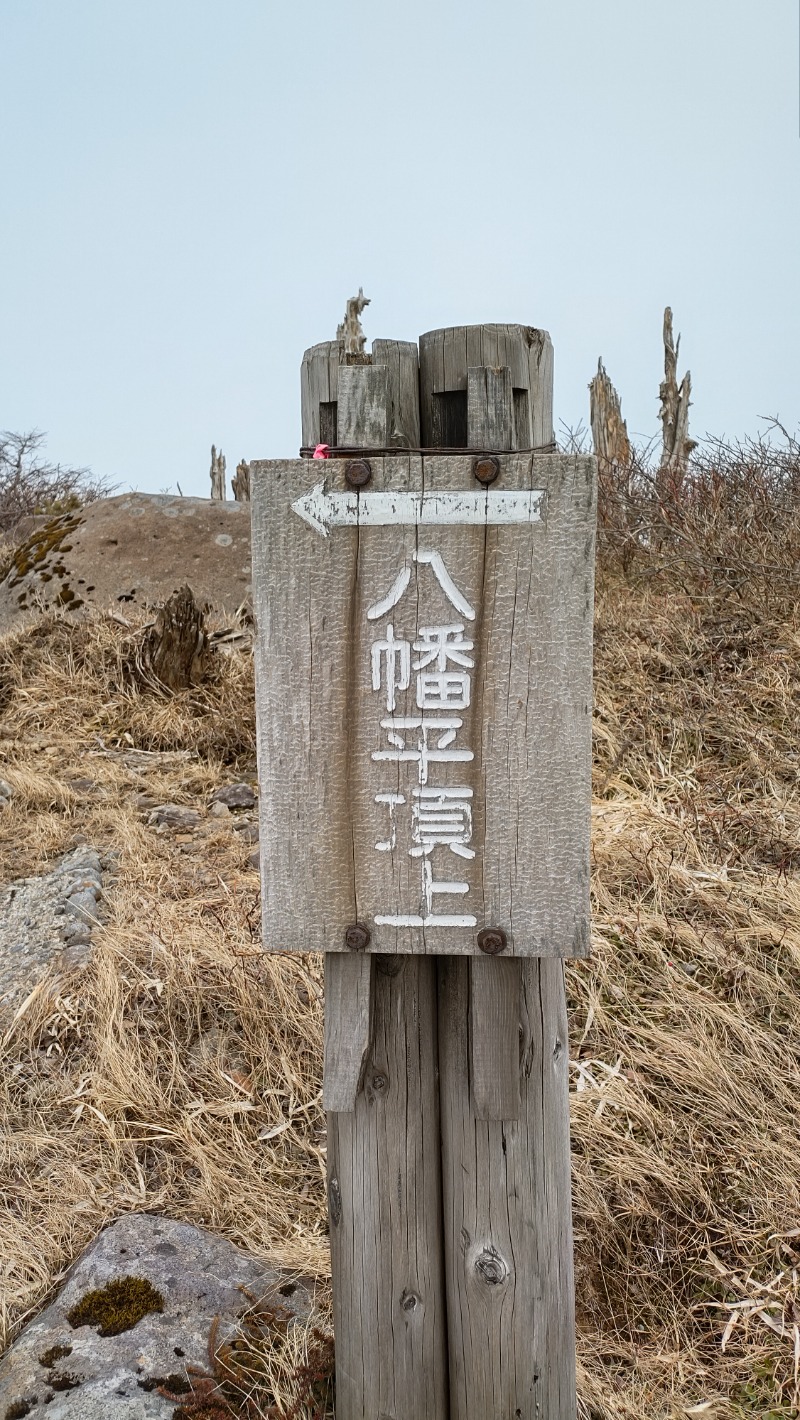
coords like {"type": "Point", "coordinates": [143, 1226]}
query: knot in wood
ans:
{"type": "Point", "coordinates": [492, 940]}
{"type": "Point", "coordinates": [358, 473]}
{"type": "Point", "coordinates": [379, 1082]}
{"type": "Point", "coordinates": [335, 1201]}
{"type": "Point", "coordinates": [409, 1301]}
{"type": "Point", "coordinates": [486, 469]}
{"type": "Point", "coordinates": [491, 1267]}
{"type": "Point", "coordinates": [356, 937]}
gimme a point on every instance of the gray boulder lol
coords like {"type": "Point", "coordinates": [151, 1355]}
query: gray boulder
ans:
{"type": "Point", "coordinates": [47, 920]}
{"type": "Point", "coordinates": [175, 1279]}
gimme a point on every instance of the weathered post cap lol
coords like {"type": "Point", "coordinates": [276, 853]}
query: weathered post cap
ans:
{"type": "Point", "coordinates": [486, 387]}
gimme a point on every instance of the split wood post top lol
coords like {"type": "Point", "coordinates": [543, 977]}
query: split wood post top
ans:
{"type": "Point", "coordinates": [423, 598]}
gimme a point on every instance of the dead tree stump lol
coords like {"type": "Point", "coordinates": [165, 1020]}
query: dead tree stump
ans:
{"type": "Point", "coordinates": [609, 430]}
{"type": "Point", "coordinates": [676, 444]}
{"type": "Point", "coordinates": [240, 483]}
{"type": "Point", "coordinates": [217, 474]}
{"type": "Point", "coordinates": [176, 652]}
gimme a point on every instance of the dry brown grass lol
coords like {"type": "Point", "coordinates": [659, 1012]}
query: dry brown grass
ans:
{"type": "Point", "coordinates": [180, 1071]}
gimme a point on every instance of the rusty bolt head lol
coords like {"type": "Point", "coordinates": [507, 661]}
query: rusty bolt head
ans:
{"type": "Point", "coordinates": [358, 473]}
{"type": "Point", "coordinates": [492, 940]}
{"type": "Point", "coordinates": [356, 938]}
{"type": "Point", "coordinates": [486, 469]}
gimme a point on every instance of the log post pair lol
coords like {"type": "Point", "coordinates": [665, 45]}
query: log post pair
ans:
{"type": "Point", "coordinates": [423, 604]}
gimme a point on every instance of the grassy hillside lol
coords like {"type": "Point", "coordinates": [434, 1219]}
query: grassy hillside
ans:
{"type": "Point", "coordinates": [181, 1071]}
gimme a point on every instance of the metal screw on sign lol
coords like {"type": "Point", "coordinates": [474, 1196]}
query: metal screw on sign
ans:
{"type": "Point", "coordinates": [358, 473]}
{"type": "Point", "coordinates": [486, 469]}
{"type": "Point", "coordinates": [492, 940]}
{"type": "Point", "coordinates": [356, 938]}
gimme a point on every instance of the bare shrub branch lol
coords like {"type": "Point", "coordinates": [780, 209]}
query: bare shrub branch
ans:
{"type": "Point", "coordinates": [730, 523]}
{"type": "Point", "coordinates": [30, 484]}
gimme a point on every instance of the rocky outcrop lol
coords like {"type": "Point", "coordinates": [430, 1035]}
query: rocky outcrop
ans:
{"type": "Point", "coordinates": [46, 919]}
{"type": "Point", "coordinates": [135, 549]}
{"type": "Point", "coordinates": [135, 1312]}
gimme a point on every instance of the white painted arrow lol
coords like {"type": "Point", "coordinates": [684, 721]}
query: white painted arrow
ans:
{"type": "Point", "coordinates": [324, 511]}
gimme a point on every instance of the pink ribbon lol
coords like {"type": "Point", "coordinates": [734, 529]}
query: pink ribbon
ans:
{"type": "Point", "coordinates": [321, 451]}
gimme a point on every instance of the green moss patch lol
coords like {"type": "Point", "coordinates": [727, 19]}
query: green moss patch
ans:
{"type": "Point", "coordinates": [116, 1307]}
{"type": "Point", "coordinates": [55, 1353]}
{"type": "Point", "coordinates": [176, 1384]}
{"type": "Point", "coordinates": [42, 544]}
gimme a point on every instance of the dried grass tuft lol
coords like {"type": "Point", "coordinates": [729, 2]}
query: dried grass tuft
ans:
{"type": "Point", "coordinates": [180, 1071]}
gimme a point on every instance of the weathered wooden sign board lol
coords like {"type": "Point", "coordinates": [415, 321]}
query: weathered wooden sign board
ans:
{"type": "Point", "coordinates": [424, 708]}
{"type": "Point", "coordinates": [423, 673]}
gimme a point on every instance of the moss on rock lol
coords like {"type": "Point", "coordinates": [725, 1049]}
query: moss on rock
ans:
{"type": "Point", "coordinates": [116, 1307]}
{"type": "Point", "coordinates": [55, 1353]}
{"type": "Point", "coordinates": [40, 546]}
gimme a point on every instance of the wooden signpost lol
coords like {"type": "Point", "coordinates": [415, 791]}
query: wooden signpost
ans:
{"type": "Point", "coordinates": [424, 603]}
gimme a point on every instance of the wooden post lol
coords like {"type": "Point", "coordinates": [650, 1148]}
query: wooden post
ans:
{"type": "Point", "coordinates": [506, 1189]}
{"type": "Point", "coordinates": [424, 734]}
{"type": "Point", "coordinates": [381, 1092]}
{"type": "Point", "coordinates": [385, 1210]}
{"type": "Point", "coordinates": [394, 425]}
{"type": "Point", "coordinates": [446, 358]}
{"type": "Point", "coordinates": [503, 1062]}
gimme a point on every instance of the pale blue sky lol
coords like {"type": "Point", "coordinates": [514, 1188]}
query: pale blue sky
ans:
{"type": "Point", "coordinates": [191, 189]}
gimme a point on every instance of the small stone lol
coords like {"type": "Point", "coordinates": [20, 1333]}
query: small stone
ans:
{"type": "Point", "coordinates": [89, 882]}
{"type": "Point", "coordinates": [81, 786]}
{"type": "Point", "coordinates": [143, 801]}
{"type": "Point", "coordinates": [6, 792]}
{"type": "Point", "coordinates": [254, 860]}
{"type": "Point", "coordinates": [77, 933]}
{"type": "Point", "coordinates": [236, 796]}
{"type": "Point", "coordinates": [82, 905]}
{"type": "Point", "coordinates": [220, 810]}
{"type": "Point", "coordinates": [174, 816]}
{"type": "Point", "coordinates": [247, 832]}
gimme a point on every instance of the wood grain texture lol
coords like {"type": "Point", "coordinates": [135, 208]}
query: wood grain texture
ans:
{"type": "Point", "coordinates": [507, 1211]}
{"type": "Point", "coordinates": [326, 803]}
{"type": "Point", "coordinates": [446, 356]}
{"type": "Point", "coordinates": [402, 361]}
{"type": "Point", "coordinates": [363, 397]}
{"type": "Point", "coordinates": [384, 1193]}
{"type": "Point", "coordinates": [495, 985]}
{"type": "Point", "coordinates": [490, 408]}
{"type": "Point", "coordinates": [348, 1027]}
{"type": "Point", "coordinates": [319, 381]}
{"type": "Point", "coordinates": [540, 384]}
